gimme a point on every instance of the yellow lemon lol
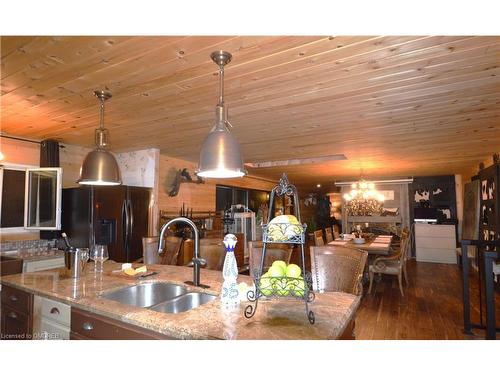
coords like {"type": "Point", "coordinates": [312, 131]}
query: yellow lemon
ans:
{"type": "Point", "coordinates": [129, 271]}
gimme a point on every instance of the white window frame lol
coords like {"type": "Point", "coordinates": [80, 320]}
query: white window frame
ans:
{"type": "Point", "coordinates": [16, 167]}
{"type": "Point", "coordinates": [27, 167]}
{"type": "Point", "coordinates": [58, 197]}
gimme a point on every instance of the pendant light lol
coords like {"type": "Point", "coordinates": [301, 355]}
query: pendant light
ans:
{"type": "Point", "coordinates": [100, 166]}
{"type": "Point", "coordinates": [220, 155]}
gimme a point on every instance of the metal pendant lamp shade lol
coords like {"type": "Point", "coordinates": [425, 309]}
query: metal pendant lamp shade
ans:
{"type": "Point", "coordinates": [220, 155]}
{"type": "Point", "coordinates": [99, 166]}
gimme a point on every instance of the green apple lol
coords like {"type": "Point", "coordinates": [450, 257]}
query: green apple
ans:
{"type": "Point", "coordinates": [296, 287]}
{"type": "Point", "coordinates": [292, 270]}
{"type": "Point", "coordinates": [279, 263]}
{"type": "Point", "coordinates": [276, 271]}
{"type": "Point", "coordinates": [282, 292]}
{"type": "Point", "coordinates": [280, 286]}
{"type": "Point", "coordinates": [266, 287]}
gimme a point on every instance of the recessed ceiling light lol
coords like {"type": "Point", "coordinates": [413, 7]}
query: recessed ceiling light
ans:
{"type": "Point", "coordinates": [318, 185]}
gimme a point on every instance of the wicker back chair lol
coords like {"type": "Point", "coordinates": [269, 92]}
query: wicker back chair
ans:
{"type": "Point", "coordinates": [318, 238]}
{"type": "Point", "coordinates": [337, 269]}
{"type": "Point", "coordinates": [328, 234]}
{"type": "Point", "coordinates": [274, 252]}
{"type": "Point", "coordinates": [394, 264]}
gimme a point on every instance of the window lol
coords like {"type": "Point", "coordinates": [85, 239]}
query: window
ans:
{"type": "Point", "coordinates": [30, 198]}
{"type": "Point", "coordinates": [12, 211]}
{"type": "Point", "coordinates": [43, 198]}
{"type": "Point", "coordinates": [256, 198]}
{"type": "Point", "coordinates": [226, 196]}
{"type": "Point", "coordinates": [240, 196]}
{"type": "Point", "coordinates": [223, 198]}
{"type": "Point", "coordinates": [250, 198]}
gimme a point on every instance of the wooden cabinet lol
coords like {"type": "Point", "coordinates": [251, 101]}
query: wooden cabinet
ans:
{"type": "Point", "coordinates": [16, 314]}
{"type": "Point", "coordinates": [89, 326]}
{"type": "Point", "coordinates": [51, 319]}
{"type": "Point", "coordinates": [10, 266]}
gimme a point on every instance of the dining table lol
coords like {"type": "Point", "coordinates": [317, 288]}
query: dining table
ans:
{"type": "Point", "coordinates": [377, 245]}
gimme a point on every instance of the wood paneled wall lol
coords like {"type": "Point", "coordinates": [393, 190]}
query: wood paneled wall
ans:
{"type": "Point", "coordinates": [27, 153]}
{"type": "Point", "coordinates": [17, 152]}
{"type": "Point", "coordinates": [199, 197]}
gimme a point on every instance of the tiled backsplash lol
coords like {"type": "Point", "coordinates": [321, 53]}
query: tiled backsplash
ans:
{"type": "Point", "coordinates": [26, 244]}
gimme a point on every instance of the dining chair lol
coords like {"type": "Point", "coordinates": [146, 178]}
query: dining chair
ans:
{"type": "Point", "coordinates": [328, 234]}
{"type": "Point", "coordinates": [318, 238]}
{"type": "Point", "coordinates": [276, 245]}
{"type": "Point", "coordinates": [274, 252]}
{"type": "Point", "coordinates": [337, 269]}
{"type": "Point", "coordinates": [214, 233]}
{"type": "Point", "coordinates": [336, 231]}
{"type": "Point", "coordinates": [150, 250]}
{"type": "Point", "coordinates": [396, 245]}
{"type": "Point", "coordinates": [171, 250]}
{"type": "Point", "coordinates": [393, 264]}
{"type": "Point", "coordinates": [213, 251]}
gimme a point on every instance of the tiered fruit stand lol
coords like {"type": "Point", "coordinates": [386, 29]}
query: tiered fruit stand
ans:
{"type": "Point", "coordinates": [298, 288]}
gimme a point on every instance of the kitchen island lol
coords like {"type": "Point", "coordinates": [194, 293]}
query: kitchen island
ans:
{"type": "Point", "coordinates": [282, 319]}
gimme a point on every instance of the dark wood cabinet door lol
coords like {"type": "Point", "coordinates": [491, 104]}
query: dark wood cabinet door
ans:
{"type": "Point", "coordinates": [85, 325]}
{"type": "Point", "coordinates": [16, 314]}
{"type": "Point", "coordinates": [15, 325]}
{"type": "Point", "coordinates": [10, 266]}
{"type": "Point", "coordinates": [17, 299]}
{"type": "Point", "coordinates": [76, 336]}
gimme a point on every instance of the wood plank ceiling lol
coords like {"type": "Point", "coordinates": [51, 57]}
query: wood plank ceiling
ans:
{"type": "Point", "coordinates": [394, 105]}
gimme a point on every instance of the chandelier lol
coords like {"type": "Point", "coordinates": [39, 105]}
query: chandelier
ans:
{"type": "Point", "coordinates": [363, 199]}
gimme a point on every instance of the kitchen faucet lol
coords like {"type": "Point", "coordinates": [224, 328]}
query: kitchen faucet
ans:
{"type": "Point", "coordinates": [197, 261]}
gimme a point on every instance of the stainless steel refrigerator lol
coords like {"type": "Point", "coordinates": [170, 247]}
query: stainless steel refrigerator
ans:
{"type": "Point", "coordinates": [116, 216]}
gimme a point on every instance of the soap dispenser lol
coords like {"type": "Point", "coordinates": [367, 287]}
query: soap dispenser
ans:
{"type": "Point", "coordinates": [230, 296]}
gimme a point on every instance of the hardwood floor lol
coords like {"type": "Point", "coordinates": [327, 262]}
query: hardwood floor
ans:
{"type": "Point", "coordinates": [430, 310]}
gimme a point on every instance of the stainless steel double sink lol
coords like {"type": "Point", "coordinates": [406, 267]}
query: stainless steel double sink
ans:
{"type": "Point", "coordinates": [162, 297]}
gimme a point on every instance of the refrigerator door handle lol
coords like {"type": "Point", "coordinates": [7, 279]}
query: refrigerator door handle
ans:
{"type": "Point", "coordinates": [131, 218]}
{"type": "Point", "coordinates": [125, 224]}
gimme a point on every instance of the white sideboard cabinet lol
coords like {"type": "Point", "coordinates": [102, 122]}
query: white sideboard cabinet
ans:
{"type": "Point", "coordinates": [435, 243]}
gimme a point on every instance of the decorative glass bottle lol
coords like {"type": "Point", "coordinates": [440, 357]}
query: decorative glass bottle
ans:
{"type": "Point", "coordinates": [230, 296]}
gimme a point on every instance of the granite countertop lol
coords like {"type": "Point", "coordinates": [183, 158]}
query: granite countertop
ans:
{"type": "Point", "coordinates": [278, 319]}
